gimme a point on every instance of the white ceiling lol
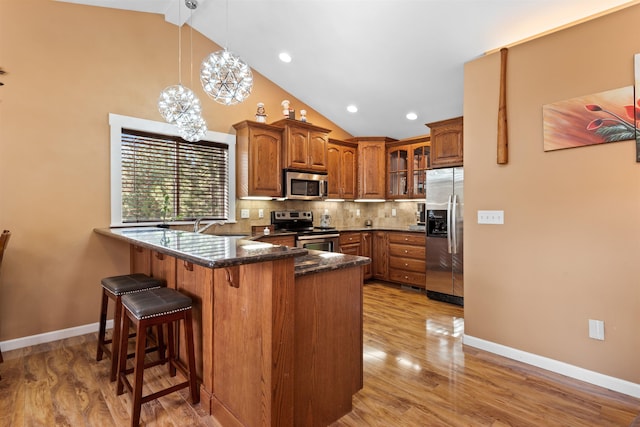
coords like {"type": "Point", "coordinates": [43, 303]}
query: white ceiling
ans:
{"type": "Point", "coordinates": [388, 57]}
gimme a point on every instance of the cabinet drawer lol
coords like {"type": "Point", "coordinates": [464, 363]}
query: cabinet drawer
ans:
{"type": "Point", "coordinates": [417, 252]}
{"type": "Point", "coordinates": [408, 238]}
{"type": "Point", "coordinates": [349, 238]}
{"type": "Point", "coordinates": [279, 240]}
{"type": "Point", "coordinates": [409, 277]}
{"type": "Point", "coordinates": [350, 249]}
{"type": "Point", "coordinates": [408, 264]}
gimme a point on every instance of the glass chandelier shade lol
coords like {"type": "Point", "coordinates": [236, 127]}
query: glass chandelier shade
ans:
{"type": "Point", "coordinates": [192, 126]}
{"type": "Point", "coordinates": [177, 100]}
{"type": "Point", "coordinates": [226, 78]}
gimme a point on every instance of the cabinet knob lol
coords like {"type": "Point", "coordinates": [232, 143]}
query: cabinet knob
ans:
{"type": "Point", "coordinates": [406, 265]}
{"type": "Point", "coordinates": [406, 251]}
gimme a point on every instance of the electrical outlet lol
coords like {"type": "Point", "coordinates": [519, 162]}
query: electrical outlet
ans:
{"type": "Point", "coordinates": [490, 217]}
{"type": "Point", "coordinates": [357, 212]}
{"type": "Point", "coordinates": [244, 213]}
{"type": "Point", "coordinates": [260, 213]}
{"type": "Point", "coordinates": [393, 212]}
{"type": "Point", "coordinates": [596, 329]}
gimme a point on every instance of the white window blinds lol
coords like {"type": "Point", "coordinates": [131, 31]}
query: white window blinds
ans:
{"type": "Point", "coordinates": [165, 178]}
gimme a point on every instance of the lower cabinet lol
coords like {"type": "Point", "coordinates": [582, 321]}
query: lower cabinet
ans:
{"type": "Point", "coordinates": [407, 258]}
{"type": "Point", "coordinates": [380, 258]}
{"type": "Point", "coordinates": [366, 248]}
{"type": "Point", "coordinates": [288, 240]}
{"type": "Point", "coordinates": [358, 243]}
{"type": "Point", "coordinates": [399, 257]}
{"type": "Point", "coordinates": [350, 242]}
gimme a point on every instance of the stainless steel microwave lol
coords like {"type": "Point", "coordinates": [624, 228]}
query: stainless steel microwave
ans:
{"type": "Point", "coordinates": [304, 185]}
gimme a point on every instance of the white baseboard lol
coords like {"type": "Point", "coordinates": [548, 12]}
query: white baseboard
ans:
{"type": "Point", "coordinates": [51, 336]}
{"type": "Point", "coordinates": [591, 377]}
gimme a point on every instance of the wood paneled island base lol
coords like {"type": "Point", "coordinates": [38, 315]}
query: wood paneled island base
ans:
{"type": "Point", "coordinates": [276, 345]}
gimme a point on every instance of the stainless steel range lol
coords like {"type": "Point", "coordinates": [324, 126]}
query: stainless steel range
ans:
{"type": "Point", "coordinates": [307, 236]}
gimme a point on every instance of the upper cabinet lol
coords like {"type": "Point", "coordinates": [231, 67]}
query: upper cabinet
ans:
{"type": "Point", "coordinates": [407, 164]}
{"type": "Point", "coordinates": [342, 169]}
{"type": "Point", "coordinates": [258, 159]}
{"type": "Point", "coordinates": [304, 145]}
{"type": "Point", "coordinates": [446, 143]}
{"type": "Point", "coordinates": [371, 167]}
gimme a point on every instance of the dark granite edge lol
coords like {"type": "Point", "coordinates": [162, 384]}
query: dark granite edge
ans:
{"type": "Point", "coordinates": [275, 252]}
{"type": "Point", "coordinates": [318, 261]}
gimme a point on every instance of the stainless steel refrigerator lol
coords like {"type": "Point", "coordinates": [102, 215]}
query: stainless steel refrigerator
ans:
{"type": "Point", "coordinates": [444, 227]}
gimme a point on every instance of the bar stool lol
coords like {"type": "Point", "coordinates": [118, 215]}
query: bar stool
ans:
{"type": "Point", "coordinates": [113, 288]}
{"type": "Point", "coordinates": [156, 307]}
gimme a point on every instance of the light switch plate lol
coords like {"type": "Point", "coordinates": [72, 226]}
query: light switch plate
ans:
{"type": "Point", "coordinates": [260, 213]}
{"type": "Point", "coordinates": [393, 212]}
{"type": "Point", "coordinates": [490, 217]}
{"type": "Point", "coordinates": [244, 213]}
{"type": "Point", "coordinates": [596, 329]}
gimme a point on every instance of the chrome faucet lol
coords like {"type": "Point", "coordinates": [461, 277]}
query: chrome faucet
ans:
{"type": "Point", "coordinates": [196, 225]}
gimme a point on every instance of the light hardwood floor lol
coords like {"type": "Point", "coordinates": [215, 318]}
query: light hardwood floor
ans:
{"type": "Point", "coordinates": [416, 373]}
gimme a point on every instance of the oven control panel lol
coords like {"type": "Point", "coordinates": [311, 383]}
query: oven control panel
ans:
{"type": "Point", "coordinates": [291, 215]}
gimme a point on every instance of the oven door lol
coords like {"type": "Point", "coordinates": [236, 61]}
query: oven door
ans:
{"type": "Point", "coordinates": [324, 242]}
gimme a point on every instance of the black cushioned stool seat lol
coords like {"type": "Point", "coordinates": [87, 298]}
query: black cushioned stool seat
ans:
{"type": "Point", "coordinates": [113, 288]}
{"type": "Point", "coordinates": [156, 307]}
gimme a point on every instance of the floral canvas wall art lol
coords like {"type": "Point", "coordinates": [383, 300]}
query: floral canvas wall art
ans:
{"type": "Point", "coordinates": [591, 119]}
{"type": "Point", "coordinates": [636, 106]}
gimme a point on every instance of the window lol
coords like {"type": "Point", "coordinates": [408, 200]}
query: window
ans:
{"type": "Point", "coordinates": [156, 176]}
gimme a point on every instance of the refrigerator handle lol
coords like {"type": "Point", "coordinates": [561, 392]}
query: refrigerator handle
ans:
{"type": "Point", "coordinates": [449, 229]}
{"type": "Point", "coordinates": [454, 233]}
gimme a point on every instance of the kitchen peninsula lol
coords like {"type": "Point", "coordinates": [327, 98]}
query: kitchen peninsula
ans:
{"type": "Point", "coordinates": [278, 330]}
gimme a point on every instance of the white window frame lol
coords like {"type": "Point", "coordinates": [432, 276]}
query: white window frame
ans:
{"type": "Point", "coordinates": [117, 122]}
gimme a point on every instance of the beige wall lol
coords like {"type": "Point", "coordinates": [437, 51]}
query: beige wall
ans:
{"type": "Point", "coordinates": [69, 66]}
{"type": "Point", "coordinates": [569, 248]}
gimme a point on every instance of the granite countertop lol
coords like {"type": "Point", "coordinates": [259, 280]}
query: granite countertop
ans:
{"type": "Point", "coordinates": [217, 251]}
{"type": "Point", "coordinates": [202, 249]}
{"type": "Point", "coordinates": [319, 261]}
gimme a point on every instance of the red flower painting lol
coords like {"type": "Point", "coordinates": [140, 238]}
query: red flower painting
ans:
{"type": "Point", "coordinates": [592, 119]}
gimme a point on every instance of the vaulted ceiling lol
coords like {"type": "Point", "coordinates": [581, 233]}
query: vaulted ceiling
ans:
{"type": "Point", "coordinates": [387, 57]}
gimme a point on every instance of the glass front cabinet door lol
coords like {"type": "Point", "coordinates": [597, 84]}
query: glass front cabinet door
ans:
{"type": "Point", "coordinates": [407, 164]}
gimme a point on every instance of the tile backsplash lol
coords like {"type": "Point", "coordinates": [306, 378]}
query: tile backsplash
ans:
{"type": "Point", "coordinates": [343, 214]}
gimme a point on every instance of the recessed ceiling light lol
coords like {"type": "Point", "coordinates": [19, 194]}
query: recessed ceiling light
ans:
{"type": "Point", "coordinates": [412, 116]}
{"type": "Point", "coordinates": [285, 57]}
{"type": "Point", "coordinates": [352, 109]}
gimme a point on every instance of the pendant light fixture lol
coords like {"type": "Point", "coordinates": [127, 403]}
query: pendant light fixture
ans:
{"type": "Point", "coordinates": [178, 104]}
{"type": "Point", "coordinates": [224, 76]}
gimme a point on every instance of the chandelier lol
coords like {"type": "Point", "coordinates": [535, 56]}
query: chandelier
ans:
{"type": "Point", "coordinates": [177, 104]}
{"type": "Point", "coordinates": [225, 77]}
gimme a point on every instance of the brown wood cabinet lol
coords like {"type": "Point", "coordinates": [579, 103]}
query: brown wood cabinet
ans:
{"type": "Point", "coordinates": [380, 258]}
{"type": "Point", "coordinates": [446, 143]}
{"type": "Point", "coordinates": [258, 160]}
{"type": "Point", "coordinates": [304, 145]}
{"type": "Point", "coordinates": [371, 166]}
{"type": "Point", "coordinates": [407, 164]}
{"type": "Point", "coordinates": [288, 240]}
{"type": "Point", "coordinates": [407, 258]}
{"type": "Point", "coordinates": [366, 248]}
{"type": "Point", "coordinates": [350, 242]}
{"type": "Point", "coordinates": [342, 169]}
{"type": "Point", "coordinates": [358, 243]}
